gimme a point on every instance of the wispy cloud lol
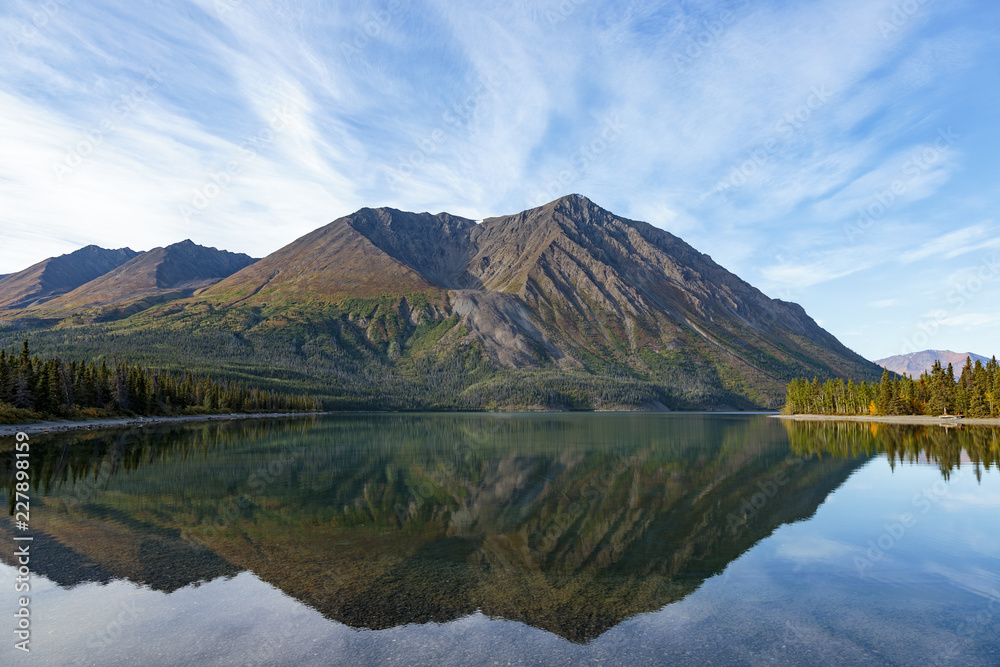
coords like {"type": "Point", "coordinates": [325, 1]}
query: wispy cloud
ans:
{"type": "Point", "coordinates": [884, 303]}
{"type": "Point", "coordinates": [956, 243]}
{"type": "Point", "coordinates": [971, 320]}
{"type": "Point", "coordinates": [822, 267]}
{"type": "Point", "coordinates": [757, 130]}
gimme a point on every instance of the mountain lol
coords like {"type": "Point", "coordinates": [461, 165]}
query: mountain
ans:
{"type": "Point", "coordinates": [58, 275]}
{"type": "Point", "coordinates": [151, 277]}
{"type": "Point", "coordinates": [567, 286]}
{"type": "Point", "coordinates": [916, 363]}
{"type": "Point", "coordinates": [562, 306]}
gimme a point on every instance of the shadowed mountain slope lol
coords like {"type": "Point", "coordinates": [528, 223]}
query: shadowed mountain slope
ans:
{"type": "Point", "coordinates": [335, 262]}
{"type": "Point", "coordinates": [151, 277]}
{"type": "Point", "coordinates": [57, 275]}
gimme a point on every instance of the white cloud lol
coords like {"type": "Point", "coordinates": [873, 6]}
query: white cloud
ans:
{"type": "Point", "coordinates": [822, 266]}
{"type": "Point", "coordinates": [884, 303]}
{"type": "Point", "coordinates": [970, 320]}
{"type": "Point", "coordinates": [814, 550]}
{"type": "Point", "coordinates": [954, 244]}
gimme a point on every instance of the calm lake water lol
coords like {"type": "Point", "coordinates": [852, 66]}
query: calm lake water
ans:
{"type": "Point", "coordinates": [526, 539]}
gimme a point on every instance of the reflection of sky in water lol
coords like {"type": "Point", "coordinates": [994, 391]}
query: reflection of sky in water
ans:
{"type": "Point", "coordinates": [796, 597]}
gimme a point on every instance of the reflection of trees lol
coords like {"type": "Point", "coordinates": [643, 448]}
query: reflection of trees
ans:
{"type": "Point", "coordinates": [568, 523]}
{"type": "Point", "coordinates": [900, 442]}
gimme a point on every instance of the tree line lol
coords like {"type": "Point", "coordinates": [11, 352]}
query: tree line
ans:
{"type": "Point", "coordinates": [976, 393]}
{"type": "Point", "coordinates": [33, 388]}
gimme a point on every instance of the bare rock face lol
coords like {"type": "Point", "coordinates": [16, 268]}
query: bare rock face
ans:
{"type": "Point", "coordinates": [435, 246]}
{"type": "Point", "coordinates": [506, 328]}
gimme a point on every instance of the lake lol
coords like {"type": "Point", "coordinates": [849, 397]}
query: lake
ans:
{"type": "Point", "coordinates": [458, 539]}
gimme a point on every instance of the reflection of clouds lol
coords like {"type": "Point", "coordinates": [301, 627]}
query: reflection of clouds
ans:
{"type": "Point", "coordinates": [958, 501]}
{"type": "Point", "coordinates": [984, 543]}
{"type": "Point", "coordinates": [977, 580]}
{"type": "Point", "coordinates": [816, 549]}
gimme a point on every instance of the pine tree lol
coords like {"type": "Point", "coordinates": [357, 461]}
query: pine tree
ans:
{"type": "Point", "coordinates": [22, 393]}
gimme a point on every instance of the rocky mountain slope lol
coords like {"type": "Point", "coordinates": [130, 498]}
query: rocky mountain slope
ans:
{"type": "Point", "coordinates": [151, 277]}
{"type": "Point", "coordinates": [58, 275]}
{"type": "Point", "coordinates": [916, 363]}
{"type": "Point", "coordinates": [562, 306]}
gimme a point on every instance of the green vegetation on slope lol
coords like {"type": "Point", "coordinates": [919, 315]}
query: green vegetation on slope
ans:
{"type": "Point", "coordinates": [362, 354]}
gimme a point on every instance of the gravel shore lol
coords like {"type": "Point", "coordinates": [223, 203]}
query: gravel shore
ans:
{"type": "Point", "coordinates": [94, 424]}
{"type": "Point", "coordinates": [920, 420]}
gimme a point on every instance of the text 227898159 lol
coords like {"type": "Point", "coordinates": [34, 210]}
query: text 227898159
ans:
{"type": "Point", "coordinates": [22, 515]}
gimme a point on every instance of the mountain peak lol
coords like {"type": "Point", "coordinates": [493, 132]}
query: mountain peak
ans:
{"type": "Point", "coordinates": [571, 203]}
{"type": "Point", "coordinates": [571, 197]}
{"type": "Point", "coordinates": [147, 278]}
{"type": "Point", "coordinates": [56, 276]}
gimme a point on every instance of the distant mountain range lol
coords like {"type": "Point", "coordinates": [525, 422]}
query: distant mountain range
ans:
{"type": "Point", "coordinates": [562, 306]}
{"type": "Point", "coordinates": [106, 284]}
{"type": "Point", "coordinates": [916, 363]}
{"type": "Point", "coordinates": [55, 276]}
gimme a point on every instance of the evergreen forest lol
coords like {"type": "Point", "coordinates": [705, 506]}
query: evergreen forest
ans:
{"type": "Point", "coordinates": [36, 388]}
{"type": "Point", "coordinates": [976, 393]}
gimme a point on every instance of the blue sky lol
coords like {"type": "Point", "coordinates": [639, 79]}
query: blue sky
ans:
{"type": "Point", "coordinates": [842, 155]}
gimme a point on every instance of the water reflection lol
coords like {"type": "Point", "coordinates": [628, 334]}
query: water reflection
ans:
{"type": "Point", "coordinates": [949, 448]}
{"type": "Point", "coordinates": [568, 523]}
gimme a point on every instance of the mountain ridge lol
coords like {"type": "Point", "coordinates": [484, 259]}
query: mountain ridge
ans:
{"type": "Point", "coordinates": [160, 274]}
{"type": "Point", "coordinates": [55, 276]}
{"type": "Point", "coordinates": [566, 303]}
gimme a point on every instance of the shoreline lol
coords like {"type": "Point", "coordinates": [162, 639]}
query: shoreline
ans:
{"type": "Point", "coordinates": [913, 420]}
{"type": "Point", "coordinates": [54, 426]}
{"type": "Point", "coordinates": [57, 426]}
{"type": "Point", "coordinates": [64, 426]}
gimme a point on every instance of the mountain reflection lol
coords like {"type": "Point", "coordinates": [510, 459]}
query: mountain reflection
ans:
{"type": "Point", "coordinates": [570, 523]}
